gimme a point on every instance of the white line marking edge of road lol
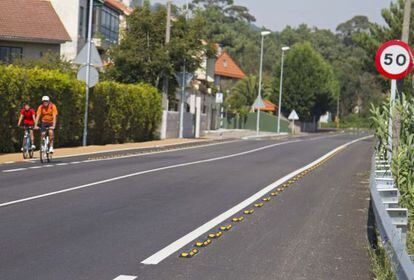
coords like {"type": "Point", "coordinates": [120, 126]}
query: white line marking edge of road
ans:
{"type": "Point", "coordinates": [126, 277]}
{"type": "Point", "coordinates": [183, 241]}
{"type": "Point", "coordinates": [126, 156]}
{"type": "Point", "coordinates": [144, 172]}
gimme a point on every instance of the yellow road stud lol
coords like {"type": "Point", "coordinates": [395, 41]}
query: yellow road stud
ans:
{"type": "Point", "coordinates": [199, 244]}
{"type": "Point", "coordinates": [226, 228]}
{"type": "Point", "coordinates": [184, 255]}
{"type": "Point", "coordinates": [266, 199]}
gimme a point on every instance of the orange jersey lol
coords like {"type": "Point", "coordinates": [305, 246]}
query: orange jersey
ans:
{"type": "Point", "coordinates": [47, 113]}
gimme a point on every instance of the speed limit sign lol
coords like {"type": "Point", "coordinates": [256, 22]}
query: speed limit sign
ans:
{"type": "Point", "coordinates": [394, 60]}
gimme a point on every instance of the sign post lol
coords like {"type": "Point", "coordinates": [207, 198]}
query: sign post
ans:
{"type": "Point", "coordinates": [184, 79]}
{"type": "Point", "coordinates": [394, 60]}
{"type": "Point", "coordinates": [293, 117]}
{"type": "Point", "coordinates": [220, 100]}
{"type": "Point", "coordinates": [257, 105]}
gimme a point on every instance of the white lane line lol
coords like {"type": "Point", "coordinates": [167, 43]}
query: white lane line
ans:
{"type": "Point", "coordinates": [183, 241]}
{"type": "Point", "coordinates": [159, 152]}
{"type": "Point", "coordinates": [135, 155]}
{"type": "Point", "coordinates": [14, 170]}
{"type": "Point", "coordinates": [75, 162]}
{"type": "Point", "coordinates": [151, 147]}
{"type": "Point", "coordinates": [145, 172]}
{"type": "Point", "coordinates": [35, 167]}
{"type": "Point", "coordinates": [62, 164]}
{"type": "Point", "coordinates": [9, 162]}
{"type": "Point", "coordinates": [126, 277]}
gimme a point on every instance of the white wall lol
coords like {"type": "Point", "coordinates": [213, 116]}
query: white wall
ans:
{"type": "Point", "coordinates": [68, 12]}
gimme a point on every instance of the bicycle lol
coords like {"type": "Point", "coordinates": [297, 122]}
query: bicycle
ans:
{"type": "Point", "coordinates": [27, 143]}
{"type": "Point", "coordinates": [45, 156]}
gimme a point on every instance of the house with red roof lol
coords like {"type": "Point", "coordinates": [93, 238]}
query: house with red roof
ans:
{"type": "Point", "coordinates": [29, 29]}
{"type": "Point", "coordinates": [227, 72]}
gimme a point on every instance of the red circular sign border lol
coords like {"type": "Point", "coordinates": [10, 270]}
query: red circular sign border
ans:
{"type": "Point", "coordinates": [378, 60]}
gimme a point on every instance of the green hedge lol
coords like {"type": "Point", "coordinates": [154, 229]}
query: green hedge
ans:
{"type": "Point", "coordinates": [119, 113]}
{"type": "Point", "coordinates": [123, 113]}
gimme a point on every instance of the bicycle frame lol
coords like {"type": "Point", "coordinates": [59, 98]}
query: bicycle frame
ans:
{"type": "Point", "coordinates": [27, 144]}
{"type": "Point", "coordinates": [45, 156]}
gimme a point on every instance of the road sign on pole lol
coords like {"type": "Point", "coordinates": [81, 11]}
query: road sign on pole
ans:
{"type": "Point", "coordinates": [93, 76]}
{"type": "Point", "coordinates": [293, 117]}
{"type": "Point", "coordinates": [82, 57]}
{"type": "Point", "coordinates": [394, 60]}
{"type": "Point", "coordinates": [219, 98]}
{"type": "Point", "coordinates": [258, 103]}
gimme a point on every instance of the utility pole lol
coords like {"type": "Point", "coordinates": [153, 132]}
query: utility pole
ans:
{"type": "Point", "coordinates": [405, 37]}
{"type": "Point", "coordinates": [183, 86]}
{"type": "Point", "coordinates": [167, 41]}
{"type": "Point", "coordinates": [406, 24]}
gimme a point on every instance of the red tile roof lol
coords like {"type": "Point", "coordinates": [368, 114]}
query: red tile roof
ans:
{"type": "Point", "coordinates": [269, 106]}
{"type": "Point", "coordinates": [32, 21]}
{"type": "Point", "coordinates": [226, 67]}
{"type": "Point", "coordinates": [119, 6]}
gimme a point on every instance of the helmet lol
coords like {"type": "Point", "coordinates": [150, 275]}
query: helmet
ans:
{"type": "Point", "coordinates": [45, 98]}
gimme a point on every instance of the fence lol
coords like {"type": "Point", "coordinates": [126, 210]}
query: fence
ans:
{"type": "Point", "coordinates": [268, 122]}
{"type": "Point", "coordinates": [391, 220]}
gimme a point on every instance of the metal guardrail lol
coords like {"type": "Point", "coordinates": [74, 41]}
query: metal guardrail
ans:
{"type": "Point", "coordinates": [391, 220]}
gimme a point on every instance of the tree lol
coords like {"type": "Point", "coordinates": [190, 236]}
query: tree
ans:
{"type": "Point", "coordinates": [235, 12]}
{"type": "Point", "coordinates": [310, 86]}
{"type": "Point", "coordinates": [143, 56]}
{"type": "Point", "coordinates": [244, 93]}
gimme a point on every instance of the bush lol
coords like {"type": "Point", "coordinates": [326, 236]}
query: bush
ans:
{"type": "Point", "coordinates": [119, 113]}
{"type": "Point", "coordinates": [122, 113]}
{"type": "Point", "coordinates": [19, 84]}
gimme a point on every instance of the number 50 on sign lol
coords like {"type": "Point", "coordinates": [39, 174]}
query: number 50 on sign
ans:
{"type": "Point", "coordinates": [394, 60]}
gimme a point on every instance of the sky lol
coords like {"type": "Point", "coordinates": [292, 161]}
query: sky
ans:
{"type": "Point", "coordinates": [276, 14]}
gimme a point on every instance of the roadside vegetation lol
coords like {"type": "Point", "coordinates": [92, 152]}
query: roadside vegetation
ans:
{"type": "Point", "coordinates": [119, 112]}
{"type": "Point", "coordinates": [402, 165]}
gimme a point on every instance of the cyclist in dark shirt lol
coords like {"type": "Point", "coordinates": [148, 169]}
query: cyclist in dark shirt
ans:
{"type": "Point", "coordinates": [28, 117]}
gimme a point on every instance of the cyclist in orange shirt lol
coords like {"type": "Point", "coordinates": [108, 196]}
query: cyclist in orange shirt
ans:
{"type": "Point", "coordinates": [47, 113]}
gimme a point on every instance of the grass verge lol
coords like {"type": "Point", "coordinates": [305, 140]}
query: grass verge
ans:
{"type": "Point", "coordinates": [380, 264]}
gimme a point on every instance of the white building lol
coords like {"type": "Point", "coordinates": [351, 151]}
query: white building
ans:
{"type": "Point", "coordinates": [108, 17]}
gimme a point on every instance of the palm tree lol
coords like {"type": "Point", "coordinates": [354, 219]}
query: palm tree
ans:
{"type": "Point", "coordinates": [244, 93]}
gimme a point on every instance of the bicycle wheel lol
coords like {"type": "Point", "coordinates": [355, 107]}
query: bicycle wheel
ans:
{"type": "Point", "coordinates": [31, 151]}
{"type": "Point", "coordinates": [48, 155]}
{"type": "Point", "coordinates": [25, 151]}
{"type": "Point", "coordinates": [42, 151]}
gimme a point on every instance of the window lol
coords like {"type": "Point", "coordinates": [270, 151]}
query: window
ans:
{"type": "Point", "coordinates": [109, 26]}
{"type": "Point", "coordinates": [81, 21]}
{"type": "Point", "coordinates": [8, 54]}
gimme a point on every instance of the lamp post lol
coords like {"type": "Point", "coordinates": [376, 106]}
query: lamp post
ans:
{"type": "Point", "coordinates": [284, 49]}
{"type": "Point", "coordinates": [259, 96]}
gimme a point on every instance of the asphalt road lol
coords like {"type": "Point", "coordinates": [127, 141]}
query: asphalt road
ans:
{"type": "Point", "coordinates": [80, 219]}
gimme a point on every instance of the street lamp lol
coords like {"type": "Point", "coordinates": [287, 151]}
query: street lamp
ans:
{"type": "Point", "coordinates": [259, 97]}
{"type": "Point", "coordinates": [284, 49]}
